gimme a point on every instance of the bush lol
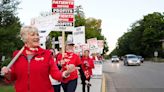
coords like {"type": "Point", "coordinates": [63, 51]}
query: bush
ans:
{"type": "Point", "coordinates": [6, 62]}
{"type": "Point", "coordinates": [155, 59]}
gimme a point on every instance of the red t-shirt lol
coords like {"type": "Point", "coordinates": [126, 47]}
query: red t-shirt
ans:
{"type": "Point", "coordinates": [87, 66]}
{"type": "Point", "coordinates": [70, 58]}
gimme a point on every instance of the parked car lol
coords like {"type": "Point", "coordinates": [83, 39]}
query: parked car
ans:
{"type": "Point", "coordinates": [114, 59]}
{"type": "Point", "coordinates": [131, 59]}
{"type": "Point", "coordinates": [141, 58]}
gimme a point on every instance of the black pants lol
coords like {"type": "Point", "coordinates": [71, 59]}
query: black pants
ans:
{"type": "Point", "coordinates": [84, 84]}
{"type": "Point", "coordinates": [57, 88]}
{"type": "Point", "coordinates": [70, 86]}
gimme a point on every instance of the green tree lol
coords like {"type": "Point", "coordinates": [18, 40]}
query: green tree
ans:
{"type": "Point", "coordinates": [79, 16]}
{"type": "Point", "coordinates": [143, 37]}
{"type": "Point", "coordinates": [153, 32]}
{"type": "Point", "coordinates": [92, 26]}
{"type": "Point", "coordinates": [9, 28]}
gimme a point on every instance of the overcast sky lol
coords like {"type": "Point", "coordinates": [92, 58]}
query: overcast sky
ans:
{"type": "Point", "coordinates": [116, 15]}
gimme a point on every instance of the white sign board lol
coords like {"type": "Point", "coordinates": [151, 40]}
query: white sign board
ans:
{"type": "Point", "coordinates": [98, 68]}
{"type": "Point", "coordinates": [155, 53]}
{"type": "Point", "coordinates": [85, 47]}
{"type": "Point", "coordinates": [93, 45]}
{"type": "Point", "coordinates": [3, 58]}
{"type": "Point", "coordinates": [65, 9]}
{"type": "Point", "coordinates": [100, 44]}
{"type": "Point", "coordinates": [46, 23]}
{"type": "Point", "coordinates": [79, 35]}
{"type": "Point", "coordinates": [70, 38]}
{"type": "Point", "coordinates": [63, 28]}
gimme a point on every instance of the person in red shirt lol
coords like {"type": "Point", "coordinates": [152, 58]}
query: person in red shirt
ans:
{"type": "Point", "coordinates": [69, 84]}
{"type": "Point", "coordinates": [87, 66]}
{"type": "Point", "coordinates": [32, 68]}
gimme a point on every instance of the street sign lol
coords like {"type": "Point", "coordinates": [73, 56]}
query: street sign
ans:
{"type": "Point", "coordinates": [156, 53]}
{"type": "Point", "coordinates": [3, 58]}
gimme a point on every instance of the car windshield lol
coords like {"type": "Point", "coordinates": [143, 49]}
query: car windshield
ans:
{"type": "Point", "coordinates": [114, 57]}
{"type": "Point", "coordinates": [139, 57]}
{"type": "Point", "coordinates": [132, 57]}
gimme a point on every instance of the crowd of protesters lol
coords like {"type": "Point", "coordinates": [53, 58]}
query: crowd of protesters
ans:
{"type": "Point", "coordinates": [41, 70]}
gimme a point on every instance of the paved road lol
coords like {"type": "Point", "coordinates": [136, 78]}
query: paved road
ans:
{"type": "Point", "coordinates": [149, 77]}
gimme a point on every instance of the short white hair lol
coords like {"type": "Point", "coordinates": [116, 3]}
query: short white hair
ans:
{"type": "Point", "coordinates": [25, 30]}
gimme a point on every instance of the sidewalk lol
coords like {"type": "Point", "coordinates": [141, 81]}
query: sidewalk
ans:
{"type": "Point", "coordinates": [95, 82]}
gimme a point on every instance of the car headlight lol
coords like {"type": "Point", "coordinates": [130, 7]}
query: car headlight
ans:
{"type": "Point", "coordinates": [129, 61]}
{"type": "Point", "coordinates": [138, 61]}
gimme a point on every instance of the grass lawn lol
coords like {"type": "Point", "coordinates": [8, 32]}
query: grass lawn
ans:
{"type": "Point", "coordinates": [6, 88]}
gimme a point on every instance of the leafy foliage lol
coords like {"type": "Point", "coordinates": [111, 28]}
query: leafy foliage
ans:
{"type": "Point", "coordinates": [144, 37]}
{"type": "Point", "coordinates": [92, 27]}
{"type": "Point", "coordinates": [9, 28]}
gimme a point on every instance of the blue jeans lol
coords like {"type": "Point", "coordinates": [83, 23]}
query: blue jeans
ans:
{"type": "Point", "coordinates": [70, 86]}
{"type": "Point", "coordinates": [57, 88]}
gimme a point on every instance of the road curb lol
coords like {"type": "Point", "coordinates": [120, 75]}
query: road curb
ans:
{"type": "Point", "coordinates": [103, 84]}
